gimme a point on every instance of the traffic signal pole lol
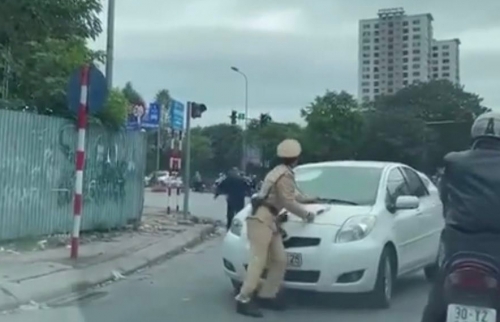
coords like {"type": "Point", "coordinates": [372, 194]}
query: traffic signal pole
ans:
{"type": "Point", "coordinates": [187, 166]}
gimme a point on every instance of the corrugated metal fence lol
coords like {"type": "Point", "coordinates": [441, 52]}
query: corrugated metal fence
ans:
{"type": "Point", "coordinates": [37, 173]}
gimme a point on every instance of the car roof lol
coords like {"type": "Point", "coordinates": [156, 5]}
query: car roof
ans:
{"type": "Point", "coordinates": [352, 163]}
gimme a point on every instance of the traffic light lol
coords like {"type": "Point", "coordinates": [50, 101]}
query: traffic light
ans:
{"type": "Point", "coordinates": [197, 109]}
{"type": "Point", "coordinates": [233, 117]}
{"type": "Point", "coordinates": [264, 119]}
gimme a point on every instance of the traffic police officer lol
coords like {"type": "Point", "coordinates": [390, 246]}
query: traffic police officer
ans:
{"type": "Point", "coordinates": [266, 245]}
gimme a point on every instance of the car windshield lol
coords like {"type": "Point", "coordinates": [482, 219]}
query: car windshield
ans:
{"type": "Point", "coordinates": [344, 184]}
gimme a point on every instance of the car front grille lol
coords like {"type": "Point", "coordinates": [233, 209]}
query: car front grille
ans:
{"type": "Point", "coordinates": [295, 242]}
{"type": "Point", "coordinates": [297, 276]}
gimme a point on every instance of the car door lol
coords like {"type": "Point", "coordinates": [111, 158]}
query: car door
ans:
{"type": "Point", "coordinates": [428, 220]}
{"type": "Point", "coordinates": [405, 220]}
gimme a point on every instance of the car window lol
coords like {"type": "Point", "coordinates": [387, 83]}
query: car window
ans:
{"type": "Point", "coordinates": [354, 184]}
{"type": "Point", "coordinates": [396, 184]}
{"type": "Point", "coordinates": [415, 183]}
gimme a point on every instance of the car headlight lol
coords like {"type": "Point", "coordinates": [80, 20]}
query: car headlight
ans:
{"type": "Point", "coordinates": [355, 228]}
{"type": "Point", "coordinates": [236, 227]}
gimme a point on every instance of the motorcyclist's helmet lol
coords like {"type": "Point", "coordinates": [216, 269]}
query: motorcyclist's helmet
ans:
{"type": "Point", "coordinates": [486, 125]}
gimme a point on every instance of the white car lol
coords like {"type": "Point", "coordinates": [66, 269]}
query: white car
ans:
{"type": "Point", "coordinates": [433, 190]}
{"type": "Point", "coordinates": [379, 222]}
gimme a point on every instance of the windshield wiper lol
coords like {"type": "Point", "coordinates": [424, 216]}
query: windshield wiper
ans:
{"type": "Point", "coordinates": [341, 201]}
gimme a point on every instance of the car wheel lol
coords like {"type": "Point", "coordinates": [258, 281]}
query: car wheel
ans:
{"type": "Point", "coordinates": [432, 271]}
{"type": "Point", "coordinates": [236, 286]}
{"type": "Point", "coordinates": [381, 295]}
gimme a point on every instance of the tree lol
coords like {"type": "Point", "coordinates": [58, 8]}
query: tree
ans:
{"type": "Point", "coordinates": [226, 142]}
{"type": "Point", "coordinates": [398, 136]}
{"type": "Point", "coordinates": [446, 111]}
{"type": "Point", "coordinates": [267, 137]}
{"type": "Point", "coordinates": [41, 43]}
{"type": "Point", "coordinates": [201, 152]}
{"type": "Point", "coordinates": [334, 127]}
{"type": "Point", "coordinates": [115, 110]}
{"type": "Point", "coordinates": [133, 96]}
{"type": "Point", "coordinates": [437, 100]}
{"type": "Point", "coordinates": [23, 21]}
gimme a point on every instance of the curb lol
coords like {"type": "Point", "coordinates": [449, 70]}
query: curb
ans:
{"type": "Point", "coordinates": [71, 281]}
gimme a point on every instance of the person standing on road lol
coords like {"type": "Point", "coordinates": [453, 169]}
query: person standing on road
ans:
{"type": "Point", "coordinates": [236, 188]}
{"type": "Point", "coordinates": [266, 244]}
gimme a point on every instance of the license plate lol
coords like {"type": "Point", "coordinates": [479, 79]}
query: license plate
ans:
{"type": "Point", "coordinates": [294, 259]}
{"type": "Point", "coordinates": [463, 313]}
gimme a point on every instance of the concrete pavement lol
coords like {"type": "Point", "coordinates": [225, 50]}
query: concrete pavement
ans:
{"type": "Point", "coordinates": [41, 275]}
{"type": "Point", "coordinates": [192, 288]}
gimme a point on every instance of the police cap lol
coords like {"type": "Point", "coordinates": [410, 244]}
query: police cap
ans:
{"type": "Point", "coordinates": [289, 148]}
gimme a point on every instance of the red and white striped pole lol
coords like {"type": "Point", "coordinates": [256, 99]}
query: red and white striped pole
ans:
{"type": "Point", "coordinates": [80, 161]}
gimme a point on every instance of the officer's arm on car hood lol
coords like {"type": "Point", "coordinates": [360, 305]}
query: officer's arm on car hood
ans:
{"type": "Point", "coordinates": [285, 187]}
{"type": "Point", "coordinates": [302, 198]}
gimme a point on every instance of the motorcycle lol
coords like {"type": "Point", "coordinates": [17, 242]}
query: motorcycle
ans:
{"type": "Point", "coordinates": [471, 288]}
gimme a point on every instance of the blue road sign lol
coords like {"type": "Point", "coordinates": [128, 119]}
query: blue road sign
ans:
{"type": "Point", "coordinates": [176, 115]}
{"type": "Point", "coordinates": [144, 117]}
{"type": "Point", "coordinates": [97, 92]}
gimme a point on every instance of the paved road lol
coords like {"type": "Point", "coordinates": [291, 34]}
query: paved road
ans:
{"type": "Point", "coordinates": [201, 204]}
{"type": "Point", "coordinates": [192, 288]}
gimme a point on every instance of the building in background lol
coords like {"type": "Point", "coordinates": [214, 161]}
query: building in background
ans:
{"type": "Point", "coordinates": [446, 60]}
{"type": "Point", "coordinates": [396, 50]}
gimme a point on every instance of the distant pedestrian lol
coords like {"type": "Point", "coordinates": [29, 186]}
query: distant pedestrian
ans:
{"type": "Point", "coordinates": [236, 188]}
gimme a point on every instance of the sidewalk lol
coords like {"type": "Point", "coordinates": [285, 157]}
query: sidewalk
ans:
{"type": "Point", "coordinates": [30, 275]}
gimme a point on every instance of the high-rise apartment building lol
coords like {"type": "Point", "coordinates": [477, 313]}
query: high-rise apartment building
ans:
{"type": "Point", "coordinates": [446, 60]}
{"type": "Point", "coordinates": [396, 50]}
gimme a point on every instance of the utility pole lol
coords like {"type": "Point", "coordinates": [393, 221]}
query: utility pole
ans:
{"type": "Point", "coordinates": [110, 43]}
{"type": "Point", "coordinates": [187, 163]}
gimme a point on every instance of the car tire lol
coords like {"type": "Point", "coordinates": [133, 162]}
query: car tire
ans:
{"type": "Point", "coordinates": [236, 286]}
{"type": "Point", "coordinates": [432, 271]}
{"type": "Point", "coordinates": [381, 295]}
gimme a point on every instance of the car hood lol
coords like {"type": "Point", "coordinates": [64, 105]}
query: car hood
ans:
{"type": "Point", "coordinates": [332, 214]}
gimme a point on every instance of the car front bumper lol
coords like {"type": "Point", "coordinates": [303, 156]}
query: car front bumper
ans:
{"type": "Point", "coordinates": [327, 267]}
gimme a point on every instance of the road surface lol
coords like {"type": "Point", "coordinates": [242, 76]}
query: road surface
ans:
{"type": "Point", "coordinates": [192, 288]}
{"type": "Point", "coordinates": [201, 204]}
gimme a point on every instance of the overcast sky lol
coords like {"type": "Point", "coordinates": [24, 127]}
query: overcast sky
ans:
{"type": "Point", "coordinates": [291, 50]}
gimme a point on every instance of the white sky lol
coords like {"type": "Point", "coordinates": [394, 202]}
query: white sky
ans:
{"type": "Point", "coordinates": [291, 50]}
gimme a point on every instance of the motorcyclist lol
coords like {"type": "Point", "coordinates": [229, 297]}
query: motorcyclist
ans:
{"type": "Point", "coordinates": [470, 191]}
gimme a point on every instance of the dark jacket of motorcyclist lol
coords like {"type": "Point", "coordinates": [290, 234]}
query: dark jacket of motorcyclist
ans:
{"type": "Point", "coordinates": [470, 191]}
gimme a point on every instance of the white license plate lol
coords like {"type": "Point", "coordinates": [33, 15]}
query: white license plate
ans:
{"type": "Point", "coordinates": [294, 259]}
{"type": "Point", "coordinates": [463, 313]}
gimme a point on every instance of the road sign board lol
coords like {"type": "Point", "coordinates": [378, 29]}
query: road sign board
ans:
{"type": "Point", "coordinates": [144, 117]}
{"type": "Point", "coordinates": [97, 91]}
{"type": "Point", "coordinates": [176, 115]}
{"type": "Point", "coordinates": [241, 116]}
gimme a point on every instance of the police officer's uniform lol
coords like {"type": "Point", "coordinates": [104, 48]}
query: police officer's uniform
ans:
{"type": "Point", "coordinates": [266, 245]}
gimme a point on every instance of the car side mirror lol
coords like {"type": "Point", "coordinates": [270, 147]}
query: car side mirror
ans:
{"type": "Point", "coordinates": [406, 202]}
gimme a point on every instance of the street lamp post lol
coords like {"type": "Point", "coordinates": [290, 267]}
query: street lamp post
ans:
{"type": "Point", "coordinates": [244, 134]}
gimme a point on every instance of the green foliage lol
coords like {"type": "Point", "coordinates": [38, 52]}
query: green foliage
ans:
{"type": "Point", "coordinates": [416, 126]}
{"type": "Point", "coordinates": [202, 152]}
{"type": "Point", "coordinates": [42, 42]}
{"type": "Point", "coordinates": [133, 96]}
{"type": "Point", "coordinates": [115, 112]}
{"type": "Point", "coordinates": [334, 126]}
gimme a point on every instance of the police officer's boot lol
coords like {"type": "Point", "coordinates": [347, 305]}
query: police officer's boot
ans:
{"type": "Point", "coordinates": [248, 308]}
{"type": "Point", "coordinates": [276, 304]}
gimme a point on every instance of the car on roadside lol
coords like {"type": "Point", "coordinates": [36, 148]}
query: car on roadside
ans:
{"type": "Point", "coordinates": [378, 222]}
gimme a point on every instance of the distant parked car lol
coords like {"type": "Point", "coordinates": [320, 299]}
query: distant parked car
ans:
{"type": "Point", "coordinates": [156, 177]}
